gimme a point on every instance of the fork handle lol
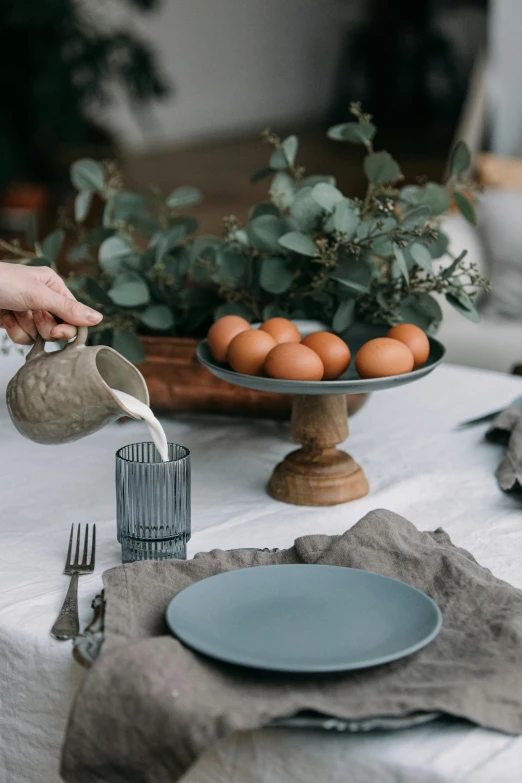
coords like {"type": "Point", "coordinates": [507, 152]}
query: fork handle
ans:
{"type": "Point", "coordinates": [67, 626]}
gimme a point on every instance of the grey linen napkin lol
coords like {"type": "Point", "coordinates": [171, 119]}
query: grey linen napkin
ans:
{"type": "Point", "coordinates": [150, 707]}
{"type": "Point", "coordinates": [507, 428]}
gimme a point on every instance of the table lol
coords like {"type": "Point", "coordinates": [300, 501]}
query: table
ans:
{"type": "Point", "coordinates": [417, 465]}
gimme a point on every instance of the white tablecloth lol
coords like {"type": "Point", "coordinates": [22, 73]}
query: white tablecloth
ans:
{"type": "Point", "coordinates": [417, 465]}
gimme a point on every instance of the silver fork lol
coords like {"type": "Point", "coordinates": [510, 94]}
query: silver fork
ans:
{"type": "Point", "coordinates": [67, 626]}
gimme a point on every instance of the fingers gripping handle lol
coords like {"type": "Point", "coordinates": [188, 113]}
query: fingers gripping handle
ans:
{"type": "Point", "coordinates": [39, 346]}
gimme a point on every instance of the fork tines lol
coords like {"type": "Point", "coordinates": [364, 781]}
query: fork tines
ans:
{"type": "Point", "coordinates": [84, 565]}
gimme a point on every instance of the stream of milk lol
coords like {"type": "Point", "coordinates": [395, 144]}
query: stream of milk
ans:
{"type": "Point", "coordinates": [142, 411]}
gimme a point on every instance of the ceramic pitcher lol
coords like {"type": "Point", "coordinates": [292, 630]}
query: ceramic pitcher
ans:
{"type": "Point", "coordinates": [64, 395]}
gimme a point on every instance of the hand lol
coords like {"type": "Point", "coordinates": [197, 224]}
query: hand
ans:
{"type": "Point", "coordinates": [31, 297]}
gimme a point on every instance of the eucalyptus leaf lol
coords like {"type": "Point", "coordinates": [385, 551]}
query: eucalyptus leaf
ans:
{"type": "Point", "coordinates": [460, 159]}
{"type": "Point", "coordinates": [78, 253]}
{"type": "Point", "coordinates": [422, 256]}
{"type": "Point", "coordinates": [185, 196]}
{"type": "Point", "coordinates": [379, 231]}
{"type": "Point", "coordinates": [344, 316]}
{"type": "Point", "coordinates": [375, 234]}
{"type": "Point", "coordinates": [31, 230]}
{"type": "Point", "coordinates": [439, 246]}
{"type": "Point", "coordinates": [240, 236]}
{"type": "Point", "coordinates": [463, 304]}
{"type": "Point", "coordinates": [177, 264]}
{"type": "Point", "coordinates": [145, 224]}
{"type": "Point", "coordinates": [265, 208]}
{"type": "Point", "coordinates": [416, 217]}
{"type": "Point", "coordinates": [130, 262]}
{"type": "Point", "coordinates": [147, 260]}
{"type": "Point", "coordinates": [107, 214]}
{"type": "Point", "coordinates": [466, 208]}
{"type": "Point", "coordinates": [327, 196]}
{"type": "Point", "coordinates": [97, 295]}
{"type": "Point", "coordinates": [299, 243]}
{"type": "Point", "coordinates": [355, 275]}
{"type": "Point", "coordinates": [431, 194]}
{"type": "Point", "coordinates": [451, 269]}
{"type": "Point", "coordinates": [129, 345]}
{"type": "Point", "coordinates": [52, 243]}
{"type": "Point", "coordinates": [127, 205]}
{"type": "Point", "coordinates": [233, 265]}
{"type": "Point", "coordinates": [129, 290]}
{"type": "Point", "coordinates": [422, 310]}
{"type": "Point", "coordinates": [169, 240]}
{"type": "Point", "coordinates": [345, 219]}
{"type": "Point", "coordinates": [282, 190]}
{"type": "Point", "coordinates": [401, 262]}
{"type": "Point", "coordinates": [356, 132]}
{"type": "Point", "coordinates": [264, 232]}
{"type": "Point", "coordinates": [205, 253]}
{"type": "Point", "coordinates": [315, 179]}
{"type": "Point", "coordinates": [87, 174]}
{"type": "Point", "coordinates": [157, 317]}
{"type": "Point", "coordinates": [276, 275]}
{"type": "Point", "coordinates": [189, 223]}
{"type": "Point", "coordinates": [261, 174]}
{"type": "Point", "coordinates": [290, 224]}
{"type": "Point", "coordinates": [380, 167]}
{"type": "Point", "coordinates": [82, 205]}
{"type": "Point", "coordinates": [111, 254]}
{"type": "Point", "coordinates": [436, 197]}
{"type": "Point", "coordinates": [284, 155]}
{"type": "Point", "coordinates": [305, 211]}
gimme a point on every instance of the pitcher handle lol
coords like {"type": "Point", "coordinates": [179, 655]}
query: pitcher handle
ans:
{"type": "Point", "coordinates": [39, 346]}
{"type": "Point", "coordinates": [80, 340]}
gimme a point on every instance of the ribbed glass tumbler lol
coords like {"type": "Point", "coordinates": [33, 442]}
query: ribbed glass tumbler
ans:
{"type": "Point", "coordinates": [152, 502]}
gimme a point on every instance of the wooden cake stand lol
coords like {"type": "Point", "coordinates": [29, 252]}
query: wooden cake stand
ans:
{"type": "Point", "coordinates": [319, 474]}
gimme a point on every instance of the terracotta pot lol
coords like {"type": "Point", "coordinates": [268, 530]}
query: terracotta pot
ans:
{"type": "Point", "coordinates": [178, 382]}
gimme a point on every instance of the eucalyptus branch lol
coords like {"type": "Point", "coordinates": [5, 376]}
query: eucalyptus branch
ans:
{"type": "Point", "coordinates": [269, 137]}
{"type": "Point", "coordinates": [26, 256]}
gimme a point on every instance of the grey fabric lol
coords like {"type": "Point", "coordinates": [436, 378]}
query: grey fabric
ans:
{"type": "Point", "coordinates": [507, 428]}
{"type": "Point", "coordinates": [150, 707]}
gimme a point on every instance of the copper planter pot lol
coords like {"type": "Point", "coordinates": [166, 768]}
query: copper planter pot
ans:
{"type": "Point", "coordinates": [178, 382]}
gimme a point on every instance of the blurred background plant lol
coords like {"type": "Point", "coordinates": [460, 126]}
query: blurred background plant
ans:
{"type": "Point", "coordinates": [58, 68]}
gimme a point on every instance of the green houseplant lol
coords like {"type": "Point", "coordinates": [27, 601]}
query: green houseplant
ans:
{"type": "Point", "coordinates": [307, 252]}
{"type": "Point", "coordinates": [57, 66]}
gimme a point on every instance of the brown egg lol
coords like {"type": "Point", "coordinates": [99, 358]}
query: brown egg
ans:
{"type": "Point", "coordinates": [414, 338]}
{"type": "Point", "coordinates": [382, 357]}
{"type": "Point", "coordinates": [332, 351]}
{"type": "Point", "coordinates": [294, 362]}
{"type": "Point", "coordinates": [282, 330]}
{"type": "Point", "coordinates": [248, 350]}
{"type": "Point", "coordinates": [222, 332]}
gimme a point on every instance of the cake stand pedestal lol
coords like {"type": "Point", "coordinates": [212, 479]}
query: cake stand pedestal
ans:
{"type": "Point", "coordinates": [319, 474]}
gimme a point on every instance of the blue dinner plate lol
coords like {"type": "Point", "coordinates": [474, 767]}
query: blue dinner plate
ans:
{"type": "Point", "coordinates": [303, 618]}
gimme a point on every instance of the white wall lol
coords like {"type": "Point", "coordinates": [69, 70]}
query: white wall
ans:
{"type": "Point", "coordinates": [505, 89]}
{"type": "Point", "coordinates": [236, 65]}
